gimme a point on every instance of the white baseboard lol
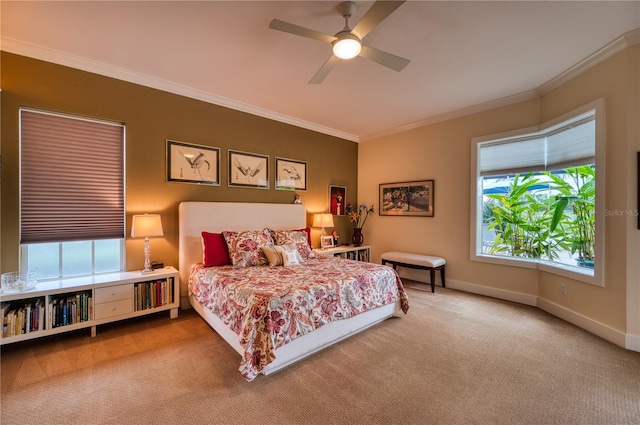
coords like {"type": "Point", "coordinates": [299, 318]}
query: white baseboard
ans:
{"type": "Point", "coordinates": [502, 294]}
{"type": "Point", "coordinates": [590, 325]}
{"type": "Point", "coordinates": [630, 342]}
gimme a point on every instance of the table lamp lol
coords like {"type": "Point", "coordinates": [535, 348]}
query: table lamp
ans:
{"type": "Point", "coordinates": [146, 226]}
{"type": "Point", "coordinates": [323, 220]}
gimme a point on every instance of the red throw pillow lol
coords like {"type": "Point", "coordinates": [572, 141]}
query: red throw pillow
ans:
{"type": "Point", "coordinates": [214, 249]}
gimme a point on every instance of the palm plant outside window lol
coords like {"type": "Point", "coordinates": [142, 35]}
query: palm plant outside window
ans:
{"type": "Point", "coordinates": [536, 195]}
{"type": "Point", "coordinates": [545, 215]}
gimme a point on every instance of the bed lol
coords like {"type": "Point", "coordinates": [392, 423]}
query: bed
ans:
{"type": "Point", "coordinates": [267, 324]}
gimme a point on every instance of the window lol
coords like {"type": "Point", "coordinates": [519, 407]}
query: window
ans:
{"type": "Point", "coordinates": [72, 216]}
{"type": "Point", "coordinates": [535, 196]}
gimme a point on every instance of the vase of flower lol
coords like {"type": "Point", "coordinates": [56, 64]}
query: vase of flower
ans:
{"type": "Point", "coordinates": [358, 216]}
{"type": "Point", "coordinates": [357, 239]}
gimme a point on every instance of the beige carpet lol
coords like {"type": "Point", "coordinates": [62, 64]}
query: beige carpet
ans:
{"type": "Point", "coordinates": [456, 358]}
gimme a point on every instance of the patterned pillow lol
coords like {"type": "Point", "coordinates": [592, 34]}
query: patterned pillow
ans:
{"type": "Point", "coordinates": [308, 231]}
{"type": "Point", "coordinates": [245, 247]}
{"type": "Point", "coordinates": [299, 237]}
{"type": "Point", "coordinates": [279, 255]}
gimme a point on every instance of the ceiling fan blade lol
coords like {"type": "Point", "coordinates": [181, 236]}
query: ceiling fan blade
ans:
{"type": "Point", "coordinates": [376, 14]}
{"type": "Point", "coordinates": [279, 25]}
{"type": "Point", "coordinates": [324, 70]}
{"type": "Point", "coordinates": [383, 58]}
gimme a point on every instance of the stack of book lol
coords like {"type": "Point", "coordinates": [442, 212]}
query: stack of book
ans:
{"type": "Point", "coordinates": [20, 318]}
{"type": "Point", "coordinates": [153, 294]}
{"type": "Point", "coordinates": [69, 309]}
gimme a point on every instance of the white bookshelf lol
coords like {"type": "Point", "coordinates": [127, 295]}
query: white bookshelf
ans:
{"type": "Point", "coordinates": [358, 253]}
{"type": "Point", "coordinates": [86, 302]}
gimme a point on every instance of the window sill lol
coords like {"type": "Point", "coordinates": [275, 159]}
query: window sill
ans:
{"type": "Point", "coordinates": [576, 273]}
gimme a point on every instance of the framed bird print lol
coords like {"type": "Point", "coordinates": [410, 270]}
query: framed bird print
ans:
{"type": "Point", "coordinates": [248, 170]}
{"type": "Point", "coordinates": [290, 174]}
{"type": "Point", "coordinates": [189, 163]}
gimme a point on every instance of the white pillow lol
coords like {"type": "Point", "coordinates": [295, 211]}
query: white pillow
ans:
{"type": "Point", "coordinates": [290, 258]}
{"type": "Point", "coordinates": [290, 247]}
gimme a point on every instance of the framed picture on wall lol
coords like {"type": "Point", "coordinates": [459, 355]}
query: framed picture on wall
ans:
{"type": "Point", "coordinates": [189, 163]}
{"type": "Point", "coordinates": [337, 199]}
{"type": "Point", "coordinates": [290, 174]}
{"type": "Point", "coordinates": [248, 170]}
{"type": "Point", "coordinates": [414, 199]}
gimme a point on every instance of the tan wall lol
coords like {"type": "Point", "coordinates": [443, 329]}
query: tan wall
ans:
{"type": "Point", "coordinates": [633, 198]}
{"type": "Point", "coordinates": [152, 116]}
{"type": "Point", "coordinates": [442, 152]}
{"type": "Point", "coordinates": [613, 80]}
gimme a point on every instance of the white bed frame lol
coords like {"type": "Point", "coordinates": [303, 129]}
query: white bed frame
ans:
{"type": "Point", "coordinates": [215, 217]}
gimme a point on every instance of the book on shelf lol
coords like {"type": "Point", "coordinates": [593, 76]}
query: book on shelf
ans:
{"type": "Point", "coordinates": [153, 294]}
{"type": "Point", "coordinates": [41, 313]}
{"type": "Point", "coordinates": [22, 317]}
{"type": "Point", "coordinates": [70, 309]}
{"type": "Point", "coordinates": [363, 255]}
{"type": "Point", "coordinates": [12, 322]}
{"type": "Point", "coordinates": [5, 320]}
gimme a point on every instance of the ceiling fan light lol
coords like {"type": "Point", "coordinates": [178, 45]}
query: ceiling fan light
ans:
{"type": "Point", "coordinates": [347, 48]}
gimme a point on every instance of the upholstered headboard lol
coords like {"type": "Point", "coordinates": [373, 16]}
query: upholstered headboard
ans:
{"type": "Point", "coordinates": [215, 217]}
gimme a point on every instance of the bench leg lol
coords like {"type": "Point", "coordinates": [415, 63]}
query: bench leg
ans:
{"type": "Point", "coordinates": [442, 276]}
{"type": "Point", "coordinates": [432, 272]}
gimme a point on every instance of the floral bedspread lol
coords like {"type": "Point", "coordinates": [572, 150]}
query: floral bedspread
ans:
{"type": "Point", "coordinates": [268, 307]}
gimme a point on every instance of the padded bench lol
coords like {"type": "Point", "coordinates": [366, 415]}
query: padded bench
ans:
{"type": "Point", "coordinates": [417, 261]}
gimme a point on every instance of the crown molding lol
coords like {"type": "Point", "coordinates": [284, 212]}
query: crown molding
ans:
{"type": "Point", "coordinates": [493, 104]}
{"type": "Point", "coordinates": [49, 55]}
{"type": "Point", "coordinates": [37, 52]}
{"type": "Point", "coordinates": [626, 40]}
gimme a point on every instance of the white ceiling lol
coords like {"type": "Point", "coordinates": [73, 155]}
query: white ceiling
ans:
{"type": "Point", "coordinates": [463, 54]}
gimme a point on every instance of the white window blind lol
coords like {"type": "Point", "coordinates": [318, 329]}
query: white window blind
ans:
{"type": "Point", "coordinates": [71, 178]}
{"type": "Point", "coordinates": [513, 156]}
{"type": "Point", "coordinates": [571, 144]}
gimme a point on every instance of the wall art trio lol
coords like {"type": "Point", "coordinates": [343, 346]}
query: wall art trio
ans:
{"type": "Point", "coordinates": [199, 164]}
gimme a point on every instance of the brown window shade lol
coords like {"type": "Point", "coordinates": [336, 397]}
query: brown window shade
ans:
{"type": "Point", "coordinates": [71, 178]}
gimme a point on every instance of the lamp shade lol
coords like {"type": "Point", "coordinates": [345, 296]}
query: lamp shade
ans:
{"type": "Point", "coordinates": [146, 225]}
{"type": "Point", "coordinates": [323, 220]}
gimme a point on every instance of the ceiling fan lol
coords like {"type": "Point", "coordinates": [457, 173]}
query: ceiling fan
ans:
{"type": "Point", "coordinates": [347, 43]}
